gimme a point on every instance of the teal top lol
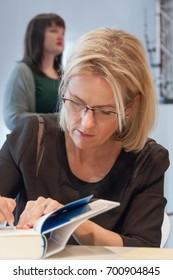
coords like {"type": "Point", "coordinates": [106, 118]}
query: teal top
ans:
{"type": "Point", "coordinates": [27, 94]}
{"type": "Point", "coordinates": [46, 93]}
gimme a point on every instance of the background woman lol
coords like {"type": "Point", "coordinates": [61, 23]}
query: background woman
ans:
{"type": "Point", "coordinates": [33, 84]}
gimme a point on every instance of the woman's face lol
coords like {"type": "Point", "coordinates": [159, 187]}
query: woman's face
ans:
{"type": "Point", "coordinates": [54, 40]}
{"type": "Point", "coordinates": [90, 129]}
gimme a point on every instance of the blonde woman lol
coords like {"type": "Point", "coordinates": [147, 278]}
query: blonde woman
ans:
{"type": "Point", "coordinates": [98, 144]}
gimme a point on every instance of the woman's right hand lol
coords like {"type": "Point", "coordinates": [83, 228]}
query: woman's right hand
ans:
{"type": "Point", "coordinates": [7, 206]}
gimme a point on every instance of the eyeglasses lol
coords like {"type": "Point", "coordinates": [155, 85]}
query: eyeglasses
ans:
{"type": "Point", "coordinates": [79, 108]}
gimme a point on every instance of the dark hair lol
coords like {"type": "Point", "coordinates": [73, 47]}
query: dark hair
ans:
{"type": "Point", "coordinates": [34, 39]}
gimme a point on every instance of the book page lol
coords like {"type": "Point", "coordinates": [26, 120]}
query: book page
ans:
{"type": "Point", "coordinates": [8, 231]}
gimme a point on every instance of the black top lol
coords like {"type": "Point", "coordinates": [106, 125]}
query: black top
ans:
{"type": "Point", "coordinates": [135, 180]}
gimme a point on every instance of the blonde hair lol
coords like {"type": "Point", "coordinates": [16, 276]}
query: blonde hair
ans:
{"type": "Point", "coordinates": [119, 58]}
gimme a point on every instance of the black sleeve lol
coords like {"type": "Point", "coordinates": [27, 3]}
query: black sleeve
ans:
{"type": "Point", "coordinates": [145, 211]}
{"type": "Point", "coordinates": [11, 154]}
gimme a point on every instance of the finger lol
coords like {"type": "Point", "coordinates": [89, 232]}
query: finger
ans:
{"type": "Point", "coordinates": [2, 218]}
{"type": "Point", "coordinates": [43, 206]}
{"type": "Point", "coordinates": [31, 213]}
{"type": "Point", "coordinates": [7, 206]}
{"type": "Point", "coordinates": [11, 204]}
{"type": "Point", "coordinates": [2, 207]}
{"type": "Point", "coordinates": [51, 205]}
{"type": "Point", "coordinates": [24, 216]}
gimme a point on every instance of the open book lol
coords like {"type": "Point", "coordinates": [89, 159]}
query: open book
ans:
{"type": "Point", "coordinates": [52, 231]}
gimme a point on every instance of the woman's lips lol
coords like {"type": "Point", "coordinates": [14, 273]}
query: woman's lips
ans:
{"type": "Point", "coordinates": [59, 43]}
{"type": "Point", "coordinates": [84, 134]}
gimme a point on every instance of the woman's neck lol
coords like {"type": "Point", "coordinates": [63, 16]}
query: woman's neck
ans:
{"type": "Point", "coordinates": [94, 164]}
{"type": "Point", "coordinates": [47, 67]}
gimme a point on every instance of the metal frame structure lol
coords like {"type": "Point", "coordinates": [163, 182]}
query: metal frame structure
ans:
{"type": "Point", "coordinates": [166, 49]}
{"type": "Point", "coordinates": [163, 50]}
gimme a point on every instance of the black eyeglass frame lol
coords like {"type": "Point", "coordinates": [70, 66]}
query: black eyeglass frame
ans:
{"type": "Point", "coordinates": [87, 107]}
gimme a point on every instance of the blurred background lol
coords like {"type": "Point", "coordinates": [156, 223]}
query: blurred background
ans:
{"type": "Point", "coordinates": [150, 20]}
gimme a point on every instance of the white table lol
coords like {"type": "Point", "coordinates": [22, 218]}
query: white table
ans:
{"type": "Point", "coordinates": [110, 253]}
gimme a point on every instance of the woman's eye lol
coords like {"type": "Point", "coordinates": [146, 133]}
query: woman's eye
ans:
{"type": "Point", "coordinates": [76, 105]}
{"type": "Point", "coordinates": [53, 30]}
{"type": "Point", "coordinates": [105, 112]}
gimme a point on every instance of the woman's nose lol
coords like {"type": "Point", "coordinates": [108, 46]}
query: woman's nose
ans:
{"type": "Point", "coordinates": [88, 119]}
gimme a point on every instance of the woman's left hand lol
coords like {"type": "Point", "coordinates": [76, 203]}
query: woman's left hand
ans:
{"type": "Point", "coordinates": [35, 209]}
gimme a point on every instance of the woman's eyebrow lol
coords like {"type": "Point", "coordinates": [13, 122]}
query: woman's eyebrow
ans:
{"type": "Point", "coordinates": [95, 106]}
{"type": "Point", "coordinates": [75, 96]}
